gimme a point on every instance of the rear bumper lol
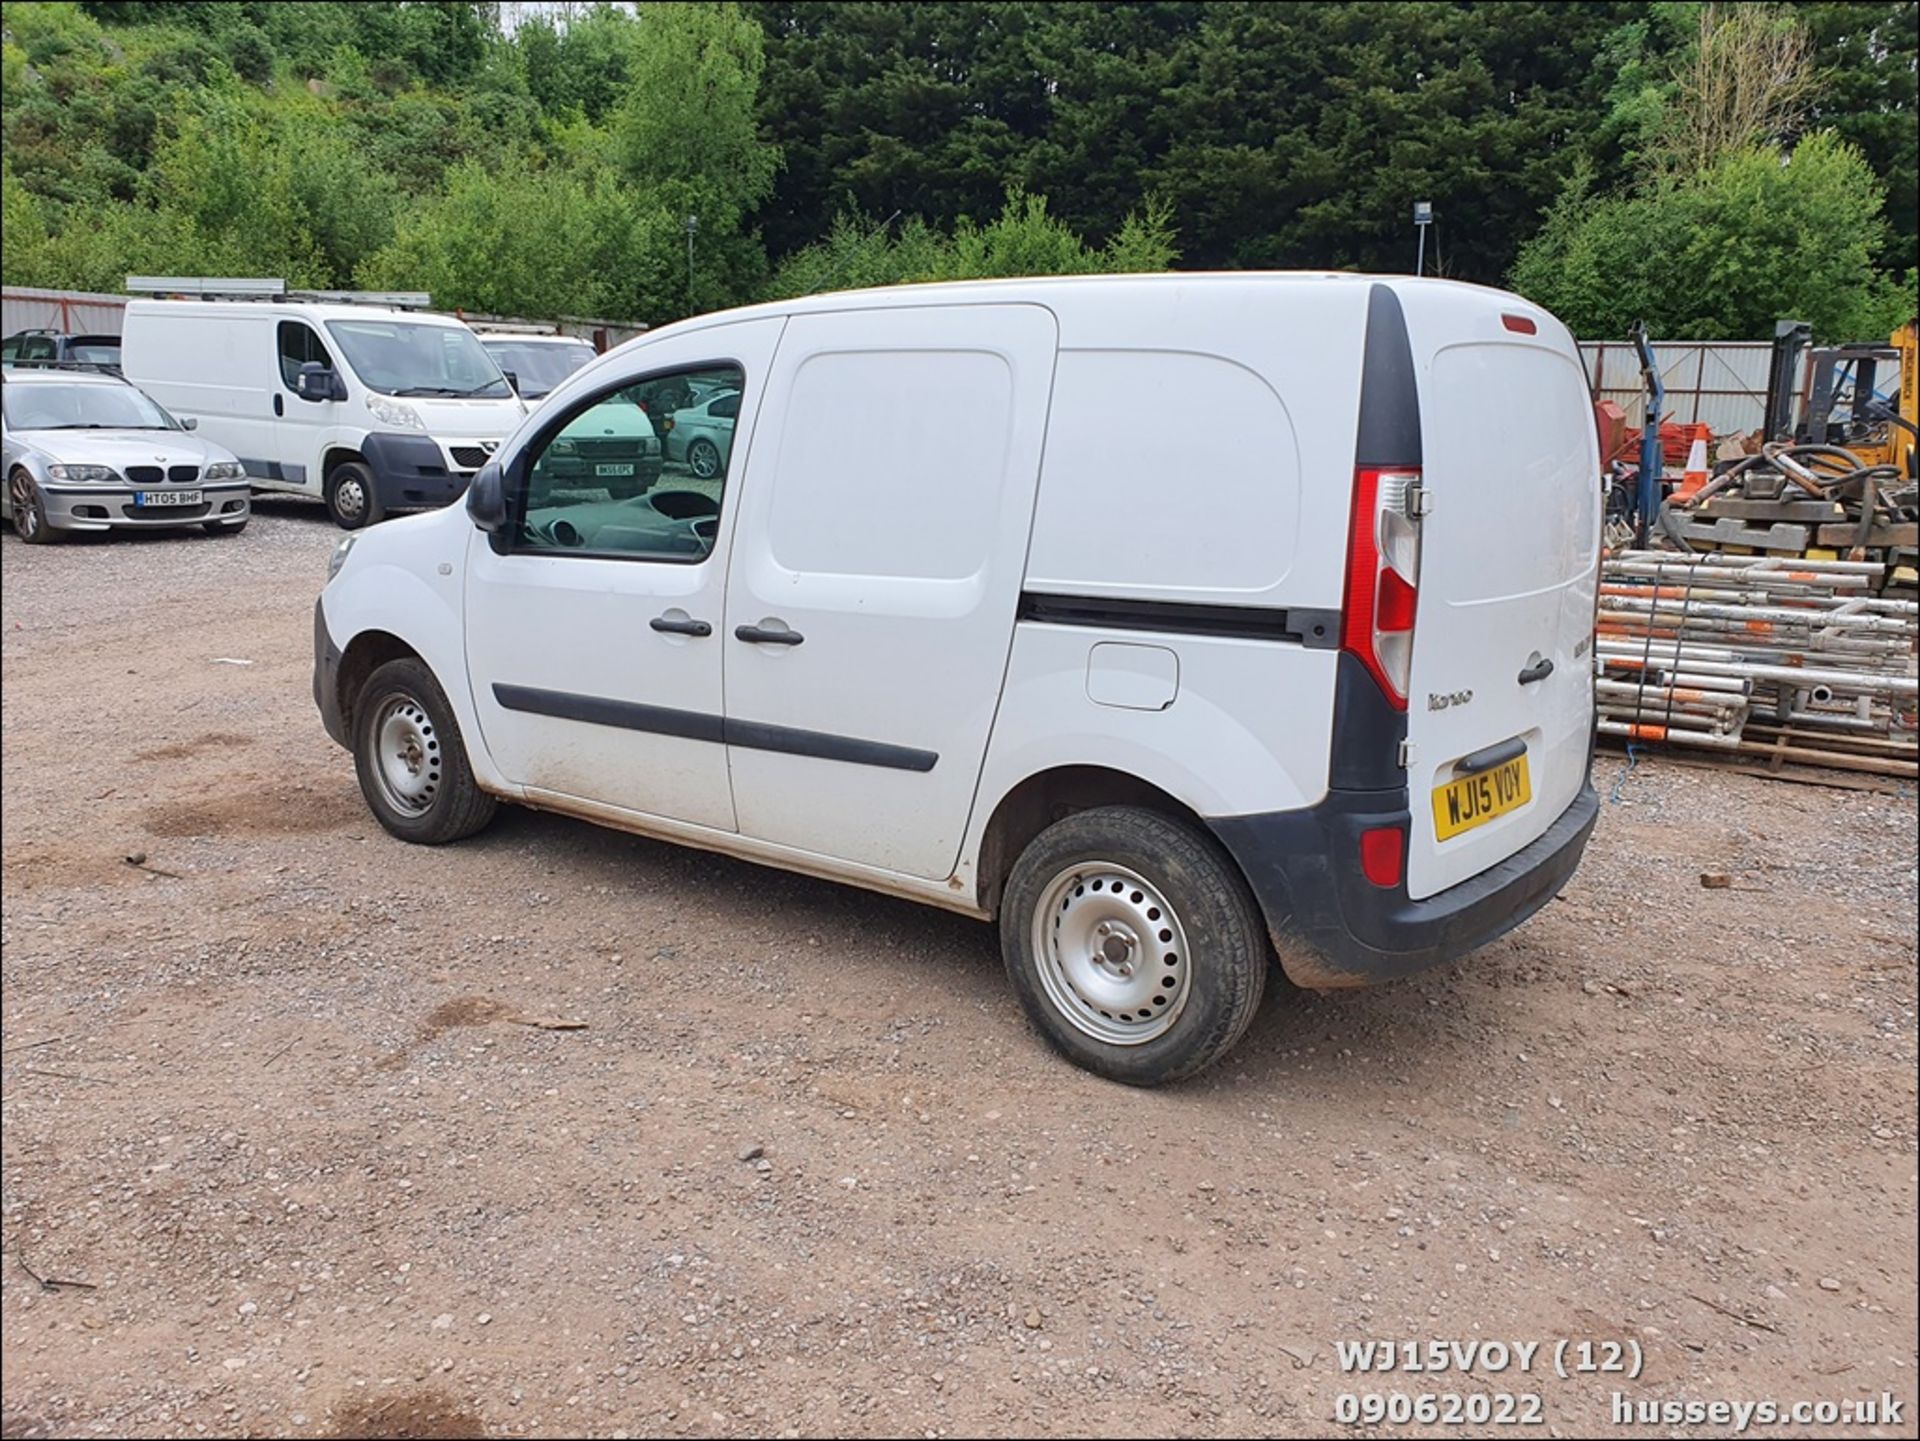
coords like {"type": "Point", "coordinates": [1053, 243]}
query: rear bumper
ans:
{"type": "Point", "coordinates": [326, 678]}
{"type": "Point", "coordinates": [1333, 928]}
{"type": "Point", "coordinates": [410, 472]}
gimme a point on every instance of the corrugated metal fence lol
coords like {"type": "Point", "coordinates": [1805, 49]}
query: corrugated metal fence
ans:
{"type": "Point", "coordinates": [71, 312]}
{"type": "Point", "coordinates": [1721, 383]}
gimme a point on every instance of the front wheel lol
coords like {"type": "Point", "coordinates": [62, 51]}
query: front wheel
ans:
{"type": "Point", "coordinates": [411, 760]}
{"type": "Point", "coordinates": [1133, 944]}
{"type": "Point", "coordinates": [351, 498]}
{"type": "Point", "coordinates": [29, 510]}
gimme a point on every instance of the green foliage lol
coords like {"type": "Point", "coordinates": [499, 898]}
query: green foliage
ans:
{"type": "Point", "coordinates": [1724, 253]}
{"type": "Point", "coordinates": [1023, 239]}
{"type": "Point", "coordinates": [553, 169]}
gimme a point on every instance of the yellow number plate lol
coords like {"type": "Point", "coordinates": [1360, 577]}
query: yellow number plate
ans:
{"type": "Point", "coordinates": [1474, 800]}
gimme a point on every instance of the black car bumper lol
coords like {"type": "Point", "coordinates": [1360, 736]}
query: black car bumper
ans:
{"type": "Point", "coordinates": [326, 678]}
{"type": "Point", "coordinates": [410, 472]}
{"type": "Point", "coordinates": [1333, 927]}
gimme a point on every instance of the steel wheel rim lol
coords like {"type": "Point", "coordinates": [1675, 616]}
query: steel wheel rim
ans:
{"type": "Point", "coordinates": [25, 518]}
{"type": "Point", "coordinates": [349, 498]}
{"type": "Point", "coordinates": [1112, 953]}
{"type": "Point", "coordinates": [406, 755]}
{"type": "Point", "coordinates": [704, 459]}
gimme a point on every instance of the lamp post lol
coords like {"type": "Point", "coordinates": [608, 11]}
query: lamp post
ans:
{"type": "Point", "coordinates": [1422, 218]}
{"type": "Point", "coordinates": [691, 224]}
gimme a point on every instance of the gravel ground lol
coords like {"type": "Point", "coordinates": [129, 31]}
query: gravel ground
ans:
{"type": "Point", "coordinates": [283, 1103]}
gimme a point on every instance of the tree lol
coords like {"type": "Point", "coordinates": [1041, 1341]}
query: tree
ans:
{"type": "Point", "coordinates": [1748, 83]}
{"type": "Point", "coordinates": [1724, 254]}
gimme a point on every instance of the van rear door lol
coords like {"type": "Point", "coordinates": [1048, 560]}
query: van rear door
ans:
{"type": "Point", "coordinates": [1500, 701]}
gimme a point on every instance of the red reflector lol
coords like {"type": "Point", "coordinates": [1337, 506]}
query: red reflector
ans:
{"type": "Point", "coordinates": [1393, 612]}
{"type": "Point", "coordinates": [1519, 324]}
{"type": "Point", "coordinates": [1380, 852]}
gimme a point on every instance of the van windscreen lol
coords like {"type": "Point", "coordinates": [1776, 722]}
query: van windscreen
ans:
{"type": "Point", "coordinates": [399, 357]}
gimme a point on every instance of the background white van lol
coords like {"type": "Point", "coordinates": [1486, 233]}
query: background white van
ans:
{"type": "Point", "coordinates": [372, 408]}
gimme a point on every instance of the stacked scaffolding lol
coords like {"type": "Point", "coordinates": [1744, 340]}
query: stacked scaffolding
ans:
{"type": "Point", "coordinates": [1793, 659]}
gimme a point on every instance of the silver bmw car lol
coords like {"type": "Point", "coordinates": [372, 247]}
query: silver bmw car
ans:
{"type": "Point", "coordinates": [82, 450]}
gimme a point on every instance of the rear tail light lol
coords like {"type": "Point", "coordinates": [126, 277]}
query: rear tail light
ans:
{"type": "Point", "coordinates": [1383, 577]}
{"type": "Point", "coordinates": [1381, 852]}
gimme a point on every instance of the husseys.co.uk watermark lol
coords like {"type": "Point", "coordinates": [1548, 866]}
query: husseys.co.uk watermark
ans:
{"type": "Point", "coordinates": [1402, 1400]}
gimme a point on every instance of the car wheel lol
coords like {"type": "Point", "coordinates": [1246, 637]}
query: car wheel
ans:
{"type": "Point", "coordinates": [411, 760]}
{"type": "Point", "coordinates": [29, 510]}
{"type": "Point", "coordinates": [1134, 944]}
{"type": "Point", "coordinates": [703, 459]}
{"type": "Point", "coordinates": [351, 498]}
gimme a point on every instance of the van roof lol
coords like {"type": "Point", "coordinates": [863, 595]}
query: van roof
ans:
{"type": "Point", "coordinates": [310, 310]}
{"type": "Point", "coordinates": [1078, 290]}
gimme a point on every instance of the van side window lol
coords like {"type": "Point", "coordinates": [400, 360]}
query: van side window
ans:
{"type": "Point", "coordinates": [637, 473]}
{"type": "Point", "coordinates": [298, 345]}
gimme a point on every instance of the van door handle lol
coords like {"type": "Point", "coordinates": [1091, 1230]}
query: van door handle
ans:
{"type": "Point", "coordinates": [680, 625]}
{"type": "Point", "coordinates": [279, 405]}
{"type": "Point", "coordinates": [1538, 671]}
{"type": "Point", "coordinates": [760, 635]}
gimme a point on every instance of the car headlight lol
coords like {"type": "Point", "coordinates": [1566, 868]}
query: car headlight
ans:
{"type": "Point", "coordinates": [563, 446]}
{"type": "Point", "coordinates": [224, 470]}
{"type": "Point", "coordinates": [394, 413]}
{"type": "Point", "coordinates": [339, 556]}
{"type": "Point", "coordinates": [79, 472]}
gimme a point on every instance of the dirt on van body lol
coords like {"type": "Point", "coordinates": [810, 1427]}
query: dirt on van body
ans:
{"type": "Point", "coordinates": [303, 1135]}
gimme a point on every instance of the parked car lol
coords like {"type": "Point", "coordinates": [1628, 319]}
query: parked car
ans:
{"type": "Point", "coordinates": [1310, 681]}
{"type": "Point", "coordinates": [372, 408]}
{"type": "Point", "coordinates": [701, 437]}
{"type": "Point", "coordinates": [83, 450]}
{"type": "Point", "coordinates": [41, 347]}
{"type": "Point", "coordinates": [609, 446]}
{"type": "Point", "coordinates": [535, 364]}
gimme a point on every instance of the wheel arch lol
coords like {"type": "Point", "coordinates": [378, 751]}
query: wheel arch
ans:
{"type": "Point", "coordinates": [366, 653]}
{"type": "Point", "coordinates": [1049, 795]}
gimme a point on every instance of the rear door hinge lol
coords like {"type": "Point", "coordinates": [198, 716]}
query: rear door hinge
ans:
{"type": "Point", "coordinates": [1419, 500]}
{"type": "Point", "coordinates": [1406, 755]}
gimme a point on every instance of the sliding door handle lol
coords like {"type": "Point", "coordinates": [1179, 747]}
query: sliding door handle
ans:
{"type": "Point", "coordinates": [762, 635]}
{"type": "Point", "coordinates": [680, 625]}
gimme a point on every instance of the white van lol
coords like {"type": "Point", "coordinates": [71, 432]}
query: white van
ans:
{"type": "Point", "coordinates": [1179, 622]}
{"type": "Point", "coordinates": [372, 408]}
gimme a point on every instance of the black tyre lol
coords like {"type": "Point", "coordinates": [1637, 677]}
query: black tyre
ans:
{"type": "Point", "coordinates": [29, 510]}
{"type": "Point", "coordinates": [352, 500]}
{"type": "Point", "coordinates": [1134, 944]}
{"type": "Point", "coordinates": [411, 760]}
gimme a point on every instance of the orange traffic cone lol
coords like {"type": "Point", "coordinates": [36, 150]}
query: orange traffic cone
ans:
{"type": "Point", "coordinates": [1694, 480]}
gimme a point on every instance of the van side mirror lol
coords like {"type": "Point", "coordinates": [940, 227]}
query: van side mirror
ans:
{"type": "Point", "coordinates": [487, 499]}
{"type": "Point", "coordinates": [513, 381]}
{"type": "Point", "coordinates": [189, 422]}
{"type": "Point", "coordinates": [318, 382]}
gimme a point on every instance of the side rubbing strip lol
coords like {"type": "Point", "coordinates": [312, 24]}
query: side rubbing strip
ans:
{"type": "Point", "coordinates": [628, 715]}
{"type": "Point", "coordinates": [1314, 629]}
{"type": "Point", "coordinates": [757, 735]}
{"type": "Point", "coordinates": [700, 726]}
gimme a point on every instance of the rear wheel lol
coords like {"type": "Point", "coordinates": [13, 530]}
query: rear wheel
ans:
{"type": "Point", "coordinates": [1133, 944]}
{"type": "Point", "coordinates": [350, 495]}
{"type": "Point", "coordinates": [411, 760]}
{"type": "Point", "coordinates": [703, 459]}
{"type": "Point", "coordinates": [29, 510]}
